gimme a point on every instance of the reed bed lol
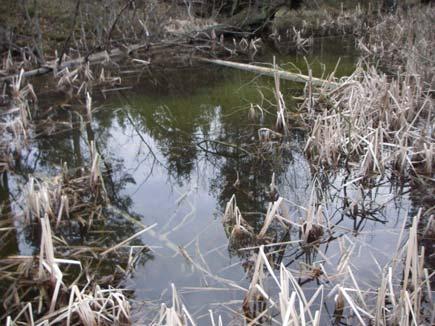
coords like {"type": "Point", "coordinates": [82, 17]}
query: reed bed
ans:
{"type": "Point", "coordinates": [403, 300]}
{"type": "Point", "coordinates": [403, 295]}
{"type": "Point", "coordinates": [65, 198]}
{"type": "Point", "coordinates": [403, 42]}
{"type": "Point", "coordinates": [373, 122]}
{"type": "Point", "coordinates": [44, 289]}
{"type": "Point", "coordinates": [257, 305]}
{"type": "Point", "coordinates": [233, 217]}
{"type": "Point", "coordinates": [38, 288]}
{"type": "Point", "coordinates": [38, 294]}
{"type": "Point", "coordinates": [241, 233]}
{"type": "Point", "coordinates": [80, 81]}
{"type": "Point", "coordinates": [15, 120]}
{"type": "Point", "coordinates": [299, 26]}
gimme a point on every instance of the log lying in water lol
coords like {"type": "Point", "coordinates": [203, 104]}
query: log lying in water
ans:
{"type": "Point", "coordinates": [271, 72]}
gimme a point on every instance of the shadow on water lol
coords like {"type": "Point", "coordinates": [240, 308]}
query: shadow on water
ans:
{"type": "Point", "coordinates": [177, 146]}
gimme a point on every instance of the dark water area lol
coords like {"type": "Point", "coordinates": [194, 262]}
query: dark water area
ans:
{"type": "Point", "coordinates": [177, 145]}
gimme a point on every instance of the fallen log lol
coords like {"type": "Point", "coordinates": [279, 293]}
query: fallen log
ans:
{"type": "Point", "coordinates": [271, 72]}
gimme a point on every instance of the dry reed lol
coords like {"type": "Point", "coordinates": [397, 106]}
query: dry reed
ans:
{"type": "Point", "coordinates": [15, 121]}
{"type": "Point", "coordinates": [404, 42]}
{"type": "Point", "coordinates": [372, 120]}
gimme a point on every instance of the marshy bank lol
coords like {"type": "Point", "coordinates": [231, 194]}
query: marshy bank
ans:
{"type": "Point", "coordinates": [152, 188]}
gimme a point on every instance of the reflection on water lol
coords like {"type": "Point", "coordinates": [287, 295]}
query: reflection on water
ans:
{"type": "Point", "coordinates": [178, 145]}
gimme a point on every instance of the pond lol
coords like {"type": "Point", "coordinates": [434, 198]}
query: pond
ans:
{"type": "Point", "coordinates": [177, 144]}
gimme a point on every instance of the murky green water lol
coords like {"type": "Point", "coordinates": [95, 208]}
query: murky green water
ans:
{"type": "Point", "coordinates": [175, 144]}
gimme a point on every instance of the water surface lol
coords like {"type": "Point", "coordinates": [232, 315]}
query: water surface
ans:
{"type": "Point", "coordinates": [178, 144]}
